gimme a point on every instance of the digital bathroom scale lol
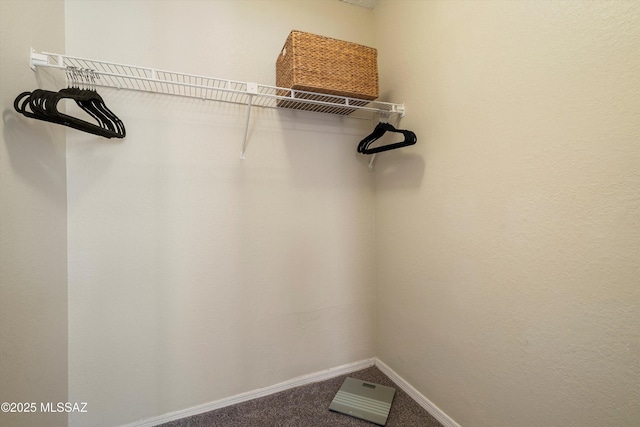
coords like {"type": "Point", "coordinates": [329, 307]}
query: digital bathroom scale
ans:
{"type": "Point", "coordinates": [362, 399]}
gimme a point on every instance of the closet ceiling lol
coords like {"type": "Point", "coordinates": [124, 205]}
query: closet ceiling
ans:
{"type": "Point", "coordinates": [369, 4]}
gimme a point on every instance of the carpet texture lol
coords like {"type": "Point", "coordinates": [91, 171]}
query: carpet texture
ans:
{"type": "Point", "coordinates": [308, 406]}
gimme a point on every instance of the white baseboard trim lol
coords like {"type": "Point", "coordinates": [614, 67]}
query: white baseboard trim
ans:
{"type": "Point", "coordinates": [436, 412]}
{"type": "Point", "coordinates": [326, 374]}
{"type": "Point", "coordinates": [254, 394]}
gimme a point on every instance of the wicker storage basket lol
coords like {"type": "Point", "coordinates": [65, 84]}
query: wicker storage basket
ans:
{"type": "Point", "coordinates": [321, 64]}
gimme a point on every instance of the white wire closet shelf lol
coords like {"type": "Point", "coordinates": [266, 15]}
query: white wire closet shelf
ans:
{"type": "Point", "coordinates": [110, 74]}
{"type": "Point", "coordinates": [132, 77]}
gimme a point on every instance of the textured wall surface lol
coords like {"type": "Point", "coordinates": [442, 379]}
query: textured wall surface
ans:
{"type": "Point", "coordinates": [508, 239]}
{"type": "Point", "coordinates": [194, 275]}
{"type": "Point", "coordinates": [504, 245]}
{"type": "Point", "coordinates": [33, 223]}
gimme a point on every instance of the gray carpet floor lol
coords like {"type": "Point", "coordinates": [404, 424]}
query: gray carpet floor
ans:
{"type": "Point", "coordinates": [308, 406]}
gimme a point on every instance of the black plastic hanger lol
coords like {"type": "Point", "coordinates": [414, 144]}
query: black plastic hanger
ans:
{"type": "Point", "coordinates": [382, 128]}
{"type": "Point", "coordinates": [42, 105]}
{"type": "Point", "coordinates": [93, 104]}
{"type": "Point", "coordinates": [36, 105]}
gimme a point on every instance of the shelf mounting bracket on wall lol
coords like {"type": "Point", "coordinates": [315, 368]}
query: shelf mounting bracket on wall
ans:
{"type": "Point", "coordinates": [132, 77]}
{"type": "Point", "coordinates": [383, 117]}
{"type": "Point", "coordinates": [252, 90]}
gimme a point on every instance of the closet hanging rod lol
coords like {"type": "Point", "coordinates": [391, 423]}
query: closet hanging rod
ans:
{"type": "Point", "coordinates": [122, 76]}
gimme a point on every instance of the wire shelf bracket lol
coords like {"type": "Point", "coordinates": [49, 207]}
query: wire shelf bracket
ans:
{"type": "Point", "coordinates": [132, 77]}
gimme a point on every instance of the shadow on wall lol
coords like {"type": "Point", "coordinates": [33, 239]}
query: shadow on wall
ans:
{"type": "Point", "coordinates": [35, 151]}
{"type": "Point", "coordinates": [317, 149]}
{"type": "Point", "coordinates": [399, 168]}
{"type": "Point", "coordinates": [322, 150]}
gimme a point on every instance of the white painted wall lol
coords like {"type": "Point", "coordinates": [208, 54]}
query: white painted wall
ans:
{"type": "Point", "coordinates": [505, 244]}
{"type": "Point", "coordinates": [33, 223]}
{"type": "Point", "coordinates": [508, 239]}
{"type": "Point", "coordinates": [194, 275]}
